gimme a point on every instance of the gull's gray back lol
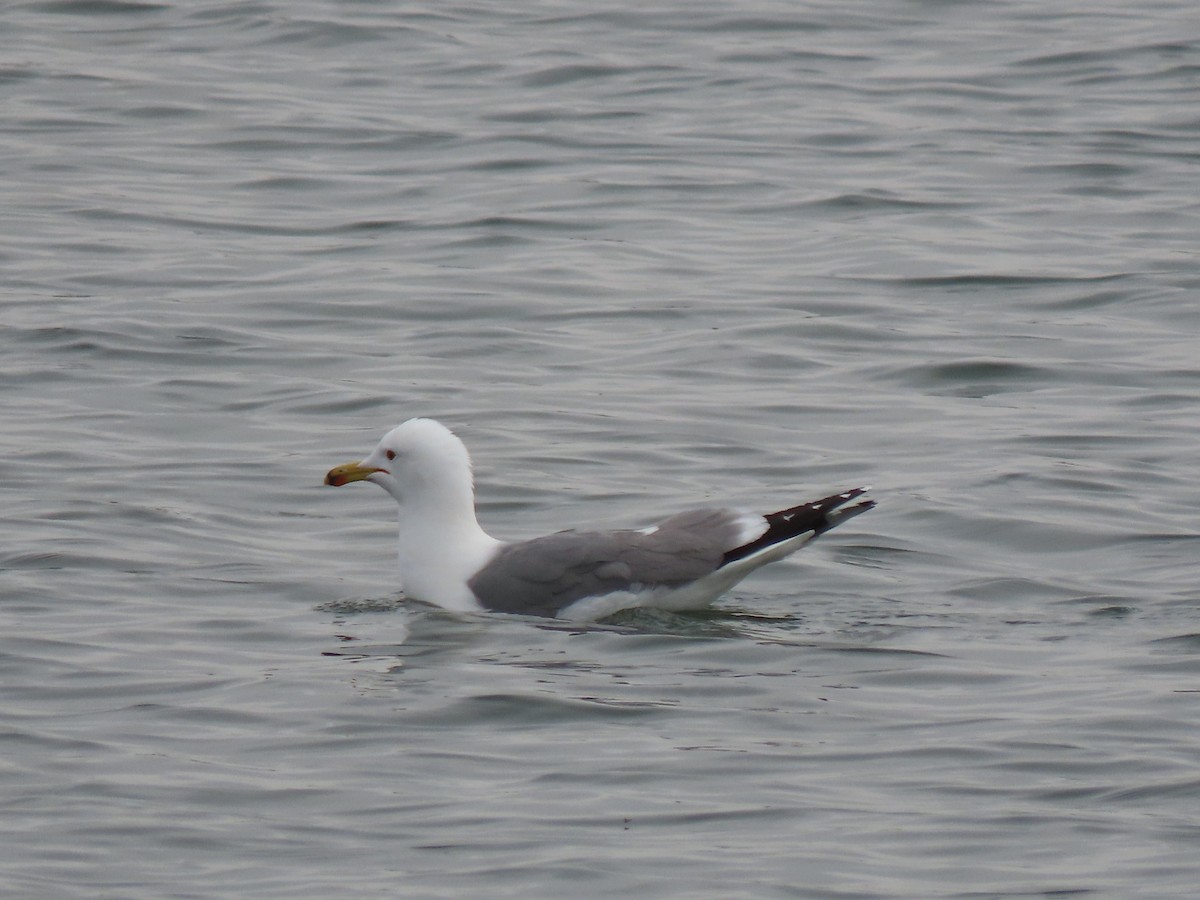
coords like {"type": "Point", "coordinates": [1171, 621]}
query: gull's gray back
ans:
{"type": "Point", "coordinates": [542, 576]}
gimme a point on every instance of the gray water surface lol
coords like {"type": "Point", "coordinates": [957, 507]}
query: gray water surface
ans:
{"type": "Point", "coordinates": [641, 258]}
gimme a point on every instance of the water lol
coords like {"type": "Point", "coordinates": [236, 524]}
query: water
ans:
{"type": "Point", "coordinates": [640, 258]}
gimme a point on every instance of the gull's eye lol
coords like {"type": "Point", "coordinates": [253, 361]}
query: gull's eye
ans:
{"type": "Point", "coordinates": [391, 454]}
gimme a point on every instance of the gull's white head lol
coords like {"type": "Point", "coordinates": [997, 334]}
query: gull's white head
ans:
{"type": "Point", "coordinates": [421, 463]}
{"type": "Point", "coordinates": [426, 468]}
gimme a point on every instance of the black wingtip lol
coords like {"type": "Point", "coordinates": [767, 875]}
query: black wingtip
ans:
{"type": "Point", "coordinates": [847, 512]}
{"type": "Point", "coordinates": [819, 516]}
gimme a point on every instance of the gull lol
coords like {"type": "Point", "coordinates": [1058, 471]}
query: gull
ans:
{"type": "Point", "coordinates": [684, 562]}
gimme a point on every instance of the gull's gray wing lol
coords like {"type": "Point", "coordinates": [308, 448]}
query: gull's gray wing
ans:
{"type": "Point", "coordinates": [542, 576]}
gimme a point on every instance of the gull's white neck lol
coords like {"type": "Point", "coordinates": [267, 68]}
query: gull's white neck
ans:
{"type": "Point", "coordinates": [441, 547]}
